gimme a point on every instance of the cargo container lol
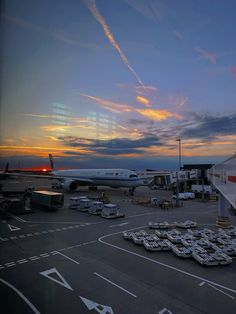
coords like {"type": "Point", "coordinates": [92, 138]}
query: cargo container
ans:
{"type": "Point", "coordinates": [47, 200]}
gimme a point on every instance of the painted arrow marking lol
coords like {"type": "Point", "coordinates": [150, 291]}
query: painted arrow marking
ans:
{"type": "Point", "coordinates": [102, 309]}
{"type": "Point", "coordinates": [13, 228]}
{"type": "Point", "coordinates": [61, 281]}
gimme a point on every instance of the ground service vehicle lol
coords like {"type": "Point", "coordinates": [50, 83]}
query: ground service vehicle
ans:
{"type": "Point", "coordinates": [46, 200]}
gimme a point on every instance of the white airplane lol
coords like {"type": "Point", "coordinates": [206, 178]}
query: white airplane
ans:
{"type": "Point", "coordinates": [71, 179]}
{"type": "Point", "coordinates": [115, 178]}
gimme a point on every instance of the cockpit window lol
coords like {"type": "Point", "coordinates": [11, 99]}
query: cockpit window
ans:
{"type": "Point", "coordinates": [133, 176]}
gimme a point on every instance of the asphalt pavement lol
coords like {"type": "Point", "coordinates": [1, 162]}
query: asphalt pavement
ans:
{"type": "Point", "coordinates": [73, 262]}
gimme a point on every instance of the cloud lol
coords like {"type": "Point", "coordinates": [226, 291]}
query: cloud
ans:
{"type": "Point", "coordinates": [108, 104]}
{"type": "Point", "coordinates": [114, 146]}
{"type": "Point", "coordinates": [146, 8]}
{"type": "Point", "coordinates": [145, 89]}
{"type": "Point", "coordinates": [143, 100]}
{"type": "Point", "coordinates": [210, 126]}
{"type": "Point", "coordinates": [152, 114]}
{"type": "Point", "coordinates": [58, 34]}
{"type": "Point", "coordinates": [60, 116]}
{"type": "Point", "coordinates": [206, 55]}
{"type": "Point", "coordinates": [178, 35]}
{"type": "Point", "coordinates": [175, 100]}
{"type": "Point", "coordinates": [91, 4]}
{"type": "Point", "coordinates": [158, 114]}
{"type": "Point", "coordinates": [232, 71]}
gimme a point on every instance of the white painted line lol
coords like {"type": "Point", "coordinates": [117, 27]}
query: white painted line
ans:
{"type": "Point", "coordinates": [10, 264]}
{"type": "Point", "coordinates": [114, 284]}
{"type": "Point", "coordinates": [55, 222]}
{"type": "Point", "coordinates": [50, 230]}
{"type": "Point", "coordinates": [13, 238]}
{"type": "Point", "coordinates": [34, 258]}
{"type": "Point", "coordinates": [22, 261]}
{"type": "Point", "coordinates": [70, 247]}
{"type": "Point", "coordinates": [21, 295]}
{"type": "Point", "coordinates": [44, 255]}
{"type": "Point", "coordinates": [144, 214]}
{"type": "Point", "coordinates": [1, 267]}
{"type": "Point", "coordinates": [44, 231]}
{"type": "Point", "coordinates": [64, 228]}
{"type": "Point", "coordinates": [19, 219]}
{"type": "Point", "coordinates": [71, 259]}
{"type": "Point", "coordinates": [21, 236]}
{"type": "Point", "coordinates": [54, 252]}
{"type": "Point", "coordinates": [58, 229]}
{"type": "Point", "coordinates": [81, 244]}
{"type": "Point", "coordinates": [230, 296]}
{"type": "Point", "coordinates": [29, 234]}
{"type": "Point", "coordinates": [160, 263]}
{"type": "Point", "coordinates": [119, 225]}
{"type": "Point", "coordinates": [37, 233]}
{"type": "Point", "coordinates": [202, 283]}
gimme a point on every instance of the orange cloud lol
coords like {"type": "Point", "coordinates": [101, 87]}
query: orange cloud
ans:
{"type": "Point", "coordinates": [57, 128]}
{"type": "Point", "coordinates": [143, 100]}
{"type": "Point", "coordinates": [109, 105]}
{"type": "Point", "coordinates": [158, 115]}
{"type": "Point", "coordinates": [93, 9]}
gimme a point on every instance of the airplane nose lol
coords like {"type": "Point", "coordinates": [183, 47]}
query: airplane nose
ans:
{"type": "Point", "coordinates": [140, 182]}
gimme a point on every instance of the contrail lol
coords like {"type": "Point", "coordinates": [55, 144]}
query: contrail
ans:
{"type": "Point", "coordinates": [93, 9]}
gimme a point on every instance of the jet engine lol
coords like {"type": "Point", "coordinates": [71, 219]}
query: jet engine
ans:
{"type": "Point", "coordinates": [70, 185]}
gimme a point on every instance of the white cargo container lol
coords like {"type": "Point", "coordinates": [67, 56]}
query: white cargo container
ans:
{"type": "Point", "coordinates": [199, 188]}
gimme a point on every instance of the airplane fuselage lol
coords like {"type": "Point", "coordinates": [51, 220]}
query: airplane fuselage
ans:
{"type": "Point", "coordinates": [106, 177]}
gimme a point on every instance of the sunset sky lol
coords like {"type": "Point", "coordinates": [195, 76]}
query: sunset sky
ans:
{"type": "Point", "coordinates": [114, 83]}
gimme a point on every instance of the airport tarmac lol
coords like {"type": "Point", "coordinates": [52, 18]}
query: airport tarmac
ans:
{"type": "Point", "coordinates": [73, 262]}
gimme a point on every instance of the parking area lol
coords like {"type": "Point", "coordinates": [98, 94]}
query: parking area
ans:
{"type": "Point", "coordinates": [73, 262]}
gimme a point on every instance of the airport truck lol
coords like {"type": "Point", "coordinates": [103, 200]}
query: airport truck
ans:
{"type": "Point", "coordinates": [47, 200]}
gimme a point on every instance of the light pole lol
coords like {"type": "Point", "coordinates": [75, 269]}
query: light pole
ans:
{"type": "Point", "coordinates": [179, 140]}
{"type": "Point", "coordinates": [177, 176]}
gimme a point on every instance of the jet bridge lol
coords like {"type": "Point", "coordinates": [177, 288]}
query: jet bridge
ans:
{"type": "Point", "coordinates": [223, 177]}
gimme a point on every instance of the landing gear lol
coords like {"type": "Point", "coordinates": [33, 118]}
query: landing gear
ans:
{"type": "Point", "coordinates": [93, 188]}
{"type": "Point", "coordinates": [131, 191]}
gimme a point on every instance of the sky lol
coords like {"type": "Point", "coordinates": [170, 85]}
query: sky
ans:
{"type": "Point", "coordinates": [115, 83]}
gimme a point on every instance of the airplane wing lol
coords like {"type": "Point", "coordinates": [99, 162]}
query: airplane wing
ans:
{"type": "Point", "coordinates": [52, 177]}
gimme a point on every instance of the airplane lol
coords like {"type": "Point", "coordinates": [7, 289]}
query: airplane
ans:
{"type": "Point", "coordinates": [115, 178]}
{"type": "Point", "coordinates": [71, 179]}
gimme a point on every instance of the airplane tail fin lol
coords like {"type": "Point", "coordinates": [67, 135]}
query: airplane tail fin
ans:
{"type": "Point", "coordinates": [7, 168]}
{"type": "Point", "coordinates": [51, 162]}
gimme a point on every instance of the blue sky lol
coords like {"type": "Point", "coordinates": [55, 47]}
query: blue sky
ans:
{"type": "Point", "coordinates": [115, 83]}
